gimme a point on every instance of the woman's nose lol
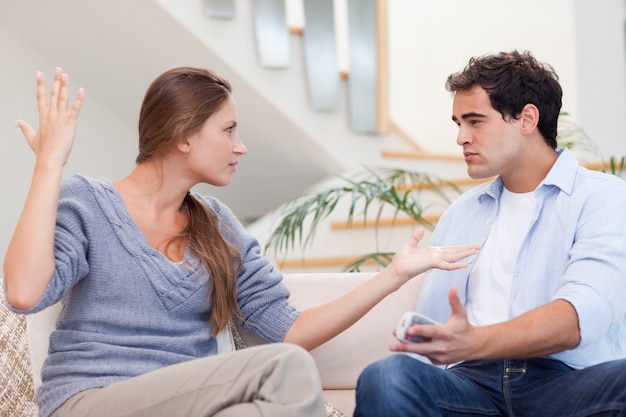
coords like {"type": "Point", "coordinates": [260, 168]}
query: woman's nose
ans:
{"type": "Point", "coordinates": [240, 148]}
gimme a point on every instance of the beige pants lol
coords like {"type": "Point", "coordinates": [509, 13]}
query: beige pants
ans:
{"type": "Point", "coordinates": [269, 380]}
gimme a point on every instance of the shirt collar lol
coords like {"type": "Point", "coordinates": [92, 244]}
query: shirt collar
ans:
{"type": "Point", "coordinates": [561, 175]}
{"type": "Point", "coordinates": [563, 172]}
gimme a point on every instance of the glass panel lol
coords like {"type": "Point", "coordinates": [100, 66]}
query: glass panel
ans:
{"type": "Point", "coordinates": [320, 53]}
{"type": "Point", "coordinates": [272, 33]}
{"type": "Point", "coordinates": [221, 9]}
{"type": "Point", "coordinates": [362, 80]}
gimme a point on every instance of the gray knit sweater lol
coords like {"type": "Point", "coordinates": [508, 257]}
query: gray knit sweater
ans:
{"type": "Point", "coordinates": [127, 309]}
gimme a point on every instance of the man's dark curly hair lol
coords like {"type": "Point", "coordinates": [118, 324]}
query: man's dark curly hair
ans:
{"type": "Point", "coordinates": [513, 80]}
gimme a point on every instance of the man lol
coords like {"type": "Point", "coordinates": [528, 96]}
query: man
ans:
{"type": "Point", "coordinates": [537, 325]}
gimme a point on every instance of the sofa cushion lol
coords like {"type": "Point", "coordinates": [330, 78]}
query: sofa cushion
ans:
{"type": "Point", "coordinates": [341, 360]}
{"type": "Point", "coordinates": [16, 387]}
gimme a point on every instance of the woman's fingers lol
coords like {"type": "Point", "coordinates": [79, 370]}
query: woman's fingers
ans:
{"type": "Point", "coordinates": [27, 131]}
{"type": "Point", "coordinates": [55, 92]}
{"type": "Point", "coordinates": [410, 260]}
{"type": "Point", "coordinates": [459, 252]}
{"type": "Point", "coordinates": [449, 257]}
{"type": "Point", "coordinates": [416, 237]}
{"type": "Point", "coordinates": [60, 95]}
{"type": "Point", "coordinates": [63, 93]}
{"type": "Point", "coordinates": [53, 139]}
{"type": "Point", "coordinates": [78, 103]}
{"type": "Point", "coordinates": [42, 101]}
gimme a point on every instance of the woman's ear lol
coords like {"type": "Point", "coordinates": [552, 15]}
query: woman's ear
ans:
{"type": "Point", "coordinates": [529, 118]}
{"type": "Point", "coordinates": [184, 145]}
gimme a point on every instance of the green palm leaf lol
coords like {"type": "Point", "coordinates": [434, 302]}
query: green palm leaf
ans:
{"type": "Point", "coordinates": [396, 188]}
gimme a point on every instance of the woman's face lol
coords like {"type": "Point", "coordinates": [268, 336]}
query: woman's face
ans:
{"type": "Point", "coordinates": [215, 149]}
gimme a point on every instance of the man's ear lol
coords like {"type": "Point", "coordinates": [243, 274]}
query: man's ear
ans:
{"type": "Point", "coordinates": [529, 118]}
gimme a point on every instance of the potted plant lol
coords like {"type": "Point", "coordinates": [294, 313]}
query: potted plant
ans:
{"type": "Point", "coordinates": [370, 192]}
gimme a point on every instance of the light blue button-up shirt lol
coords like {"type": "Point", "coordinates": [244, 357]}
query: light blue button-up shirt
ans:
{"type": "Point", "coordinates": [575, 250]}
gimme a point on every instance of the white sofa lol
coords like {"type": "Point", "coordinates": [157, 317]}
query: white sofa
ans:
{"type": "Point", "coordinates": [339, 361]}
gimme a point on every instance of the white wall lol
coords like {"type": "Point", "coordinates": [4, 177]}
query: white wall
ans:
{"type": "Point", "coordinates": [601, 72]}
{"type": "Point", "coordinates": [583, 40]}
{"type": "Point", "coordinates": [107, 136]}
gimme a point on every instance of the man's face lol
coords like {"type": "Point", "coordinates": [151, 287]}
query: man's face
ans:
{"type": "Point", "coordinates": [491, 145]}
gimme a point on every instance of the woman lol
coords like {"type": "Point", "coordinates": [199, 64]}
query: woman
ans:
{"type": "Point", "coordinates": [149, 273]}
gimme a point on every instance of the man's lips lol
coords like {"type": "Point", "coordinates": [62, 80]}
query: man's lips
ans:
{"type": "Point", "coordinates": [469, 155]}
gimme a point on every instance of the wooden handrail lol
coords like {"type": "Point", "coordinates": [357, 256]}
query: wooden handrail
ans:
{"type": "Point", "coordinates": [298, 31]}
{"type": "Point", "coordinates": [386, 222]}
{"type": "Point", "coordinates": [421, 155]}
{"type": "Point", "coordinates": [460, 182]}
{"type": "Point", "coordinates": [596, 166]}
{"type": "Point", "coordinates": [320, 262]}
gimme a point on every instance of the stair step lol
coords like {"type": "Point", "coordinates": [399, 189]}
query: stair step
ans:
{"type": "Point", "coordinates": [319, 262]}
{"type": "Point", "coordinates": [386, 222]}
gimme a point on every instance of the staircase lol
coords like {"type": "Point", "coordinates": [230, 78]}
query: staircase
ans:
{"type": "Point", "coordinates": [114, 49]}
{"type": "Point", "coordinates": [344, 111]}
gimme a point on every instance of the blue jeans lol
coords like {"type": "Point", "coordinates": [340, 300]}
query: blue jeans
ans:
{"type": "Point", "coordinates": [403, 386]}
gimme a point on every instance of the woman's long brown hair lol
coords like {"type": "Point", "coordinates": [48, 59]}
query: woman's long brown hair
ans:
{"type": "Point", "coordinates": [175, 106]}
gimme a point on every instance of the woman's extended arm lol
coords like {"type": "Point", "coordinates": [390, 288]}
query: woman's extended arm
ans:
{"type": "Point", "coordinates": [29, 261]}
{"type": "Point", "coordinates": [319, 324]}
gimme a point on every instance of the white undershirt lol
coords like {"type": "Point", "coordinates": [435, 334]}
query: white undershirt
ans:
{"type": "Point", "coordinates": [489, 286]}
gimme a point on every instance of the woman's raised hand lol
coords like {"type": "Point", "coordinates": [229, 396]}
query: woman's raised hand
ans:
{"type": "Point", "coordinates": [29, 261]}
{"type": "Point", "coordinates": [53, 140]}
{"type": "Point", "coordinates": [410, 260]}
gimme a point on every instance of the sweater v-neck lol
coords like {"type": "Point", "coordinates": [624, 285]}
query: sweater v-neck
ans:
{"type": "Point", "coordinates": [117, 213]}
